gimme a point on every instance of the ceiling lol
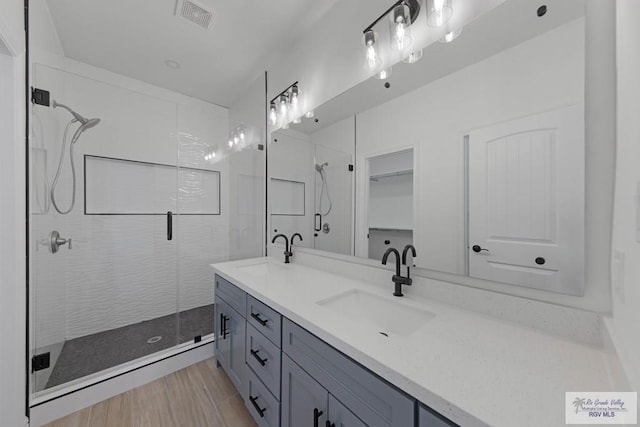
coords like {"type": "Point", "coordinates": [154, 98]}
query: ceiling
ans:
{"type": "Point", "coordinates": [135, 38]}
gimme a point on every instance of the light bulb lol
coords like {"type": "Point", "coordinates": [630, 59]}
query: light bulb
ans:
{"type": "Point", "coordinates": [384, 74]}
{"type": "Point", "coordinates": [371, 58]}
{"type": "Point", "coordinates": [273, 113]}
{"type": "Point", "coordinates": [213, 154]}
{"type": "Point", "coordinates": [438, 12]}
{"type": "Point", "coordinates": [230, 143]}
{"type": "Point", "coordinates": [413, 57]}
{"type": "Point", "coordinates": [400, 31]}
{"type": "Point", "coordinates": [242, 135]}
{"type": "Point", "coordinates": [451, 36]}
{"type": "Point", "coordinates": [283, 107]}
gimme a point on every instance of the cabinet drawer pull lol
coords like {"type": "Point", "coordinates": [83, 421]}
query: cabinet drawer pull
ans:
{"type": "Point", "coordinates": [261, 361]}
{"type": "Point", "coordinates": [260, 410]}
{"type": "Point", "coordinates": [260, 320]}
{"type": "Point", "coordinates": [316, 416]}
{"type": "Point", "coordinates": [330, 424]}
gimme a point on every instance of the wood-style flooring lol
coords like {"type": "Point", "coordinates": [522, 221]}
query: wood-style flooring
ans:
{"type": "Point", "coordinates": [200, 395]}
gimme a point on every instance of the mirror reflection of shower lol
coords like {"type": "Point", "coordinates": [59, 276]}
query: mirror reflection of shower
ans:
{"type": "Point", "coordinates": [324, 190]}
{"type": "Point", "coordinates": [85, 124]}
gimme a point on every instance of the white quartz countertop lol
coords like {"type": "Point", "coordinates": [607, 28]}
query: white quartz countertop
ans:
{"type": "Point", "coordinates": [473, 369]}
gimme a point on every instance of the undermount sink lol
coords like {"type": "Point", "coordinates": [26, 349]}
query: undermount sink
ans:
{"type": "Point", "coordinates": [260, 269]}
{"type": "Point", "coordinates": [386, 316]}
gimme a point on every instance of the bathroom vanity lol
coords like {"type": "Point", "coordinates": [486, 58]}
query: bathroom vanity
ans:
{"type": "Point", "coordinates": [307, 347]}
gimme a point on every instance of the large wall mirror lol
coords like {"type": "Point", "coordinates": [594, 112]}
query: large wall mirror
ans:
{"type": "Point", "coordinates": [475, 155]}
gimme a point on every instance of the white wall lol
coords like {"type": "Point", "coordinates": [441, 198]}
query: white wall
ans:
{"type": "Point", "coordinates": [12, 25]}
{"type": "Point", "coordinates": [626, 286]}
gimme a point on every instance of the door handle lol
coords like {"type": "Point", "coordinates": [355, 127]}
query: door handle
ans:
{"type": "Point", "coordinates": [317, 227]}
{"type": "Point", "coordinates": [224, 327]}
{"type": "Point", "coordinates": [169, 225]}
{"type": "Point", "coordinates": [478, 249]}
{"type": "Point", "coordinates": [316, 416]}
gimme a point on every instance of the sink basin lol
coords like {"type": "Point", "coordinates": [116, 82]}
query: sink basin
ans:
{"type": "Point", "coordinates": [261, 269]}
{"type": "Point", "coordinates": [385, 316]}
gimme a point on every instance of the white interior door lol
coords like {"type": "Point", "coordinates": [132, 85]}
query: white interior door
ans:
{"type": "Point", "coordinates": [526, 201]}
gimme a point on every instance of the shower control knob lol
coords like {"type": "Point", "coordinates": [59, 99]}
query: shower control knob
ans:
{"type": "Point", "coordinates": [55, 241]}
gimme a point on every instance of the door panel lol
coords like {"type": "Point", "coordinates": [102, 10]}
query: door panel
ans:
{"type": "Point", "coordinates": [340, 416]}
{"type": "Point", "coordinates": [526, 201]}
{"type": "Point", "coordinates": [302, 397]}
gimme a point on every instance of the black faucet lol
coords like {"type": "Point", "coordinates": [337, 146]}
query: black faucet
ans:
{"type": "Point", "coordinates": [287, 252]}
{"type": "Point", "coordinates": [293, 237]}
{"type": "Point", "coordinates": [397, 278]}
{"type": "Point", "coordinates": [404, 260]}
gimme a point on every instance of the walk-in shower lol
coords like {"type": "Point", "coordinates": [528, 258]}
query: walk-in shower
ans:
{"type": "Point", "coordinates": [85, 124]}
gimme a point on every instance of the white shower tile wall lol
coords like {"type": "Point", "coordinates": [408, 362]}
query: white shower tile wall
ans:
{"type": "Point", "coordinates": [122, 269]}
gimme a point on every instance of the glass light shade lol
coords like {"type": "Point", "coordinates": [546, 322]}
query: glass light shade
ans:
{"type": "Point", "coordinates": [438, 12]}
{"type": "Point", "coordinates": [384, 74]}
{"type": "Point", "coordinates": [400, 27]}
{"type": "Point", "coordinates": [371, 50]}
{"type": "Point", "coordinates": [273, 114]}
{"type": "Point", "coordinates": [230, 143]}
{"type": "Point", "coordinates": [451, 36]}
{"type": "Point", "coordinates": [284, 109]}
{"type": "Point", "coordinates": [413, 57]}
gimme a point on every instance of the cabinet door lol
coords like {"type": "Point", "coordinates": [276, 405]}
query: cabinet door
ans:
{"type": "Point", "coordinates": [428, 418]}
{"type": "Point", "coordinates": [304, 401]}
{"type": "Point", "coordinates": [340, 416]}
{"type": "Point", "coordinates": [236, 336]}
{"type": "Point", "coordinates": [221, 331]}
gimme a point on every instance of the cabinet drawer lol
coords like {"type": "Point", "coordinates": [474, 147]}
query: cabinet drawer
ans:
{"type": "Point", "coordinates": [231, 294]}
{"type": "Point", "coordinates": [264, 358]}
{"type": "Point", "coordinates": [373, 400]}
{"type": "Point", "coordinates": [263, 407]}
{"type": "Point", "coordinates": [265, 319]}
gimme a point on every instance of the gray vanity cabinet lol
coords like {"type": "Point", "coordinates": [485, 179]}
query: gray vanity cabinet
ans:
{"type": "Point", "coordinates": [231, 332]}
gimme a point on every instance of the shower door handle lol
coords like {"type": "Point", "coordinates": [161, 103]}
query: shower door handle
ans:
{"type": "Point", "coordinates": [317, 226]}
{"type": "Point", "coordinates": [169, 225]}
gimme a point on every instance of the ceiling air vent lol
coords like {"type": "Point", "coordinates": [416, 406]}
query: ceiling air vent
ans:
{"type": "Point", "coordinates": [194, 13]}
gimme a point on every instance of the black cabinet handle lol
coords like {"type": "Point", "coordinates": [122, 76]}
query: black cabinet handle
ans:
{"type": "Point", "coordinates": [540, 261]}
{"type": "Point", "coordinates": [224, 331]}
{"type": "Point", "coordinates": [260, 360]}
{"type": "Point", "coordinates": [478, 249]}
{"type": "Point", "coordinates": [260, 410]}
{"type": "Point", "coordinates": [330, 424]}
{"type": "Point", "coordinates": [169, 225]}
{"type": "Point", "coordinates": [260, 320]}
{"type": "Point", "coordinates": [316, 416]}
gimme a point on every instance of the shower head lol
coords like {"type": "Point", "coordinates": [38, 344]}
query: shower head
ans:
{"type": "Point", "coordinates": [320, 168]}
{"type": "Point", "coordinates": [86, 123]}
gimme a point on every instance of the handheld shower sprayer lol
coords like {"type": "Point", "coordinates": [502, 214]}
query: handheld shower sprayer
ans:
{"type": "Point", "coordinates": [84, 125]}
{"type": "Point", "coordinates": [325, 188]}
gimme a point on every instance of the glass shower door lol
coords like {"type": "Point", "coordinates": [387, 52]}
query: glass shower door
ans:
{"type": "Point", "coordinates": [104, 269]}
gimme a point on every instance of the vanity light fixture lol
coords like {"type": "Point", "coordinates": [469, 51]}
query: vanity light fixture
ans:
{"type": "Point", "coordinates": [451, 36]}
{"type": "Point", "coordinates": [438, 12]}
{"type": "Point", "coordinates": [284, 108]}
